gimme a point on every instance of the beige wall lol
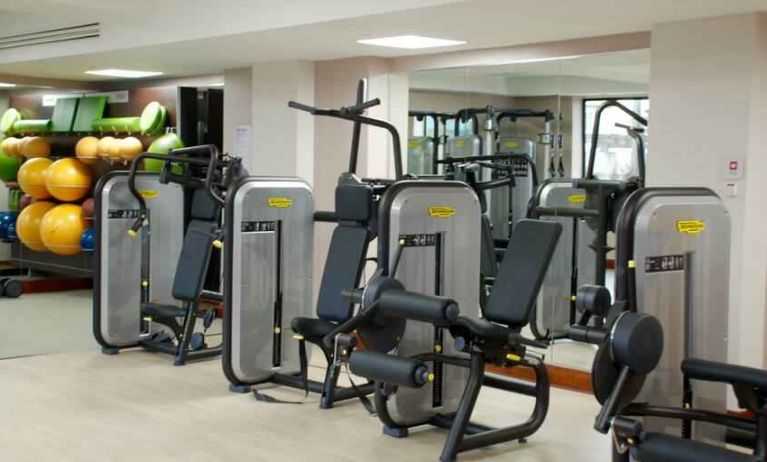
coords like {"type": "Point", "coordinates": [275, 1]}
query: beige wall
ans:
{"type": "Point", "coordinates": [708, 107]}
{"type": "Point", "coordinates": [237, 104]}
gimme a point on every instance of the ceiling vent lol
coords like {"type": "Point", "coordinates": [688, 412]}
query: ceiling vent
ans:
{"type": "Point", "coordinates": [62, 34]}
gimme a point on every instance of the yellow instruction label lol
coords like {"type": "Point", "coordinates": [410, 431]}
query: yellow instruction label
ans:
{"type": "Point", "coordinates": [441, 211]}
{"type": "Point", "coordinates": [460, 143]}
{"type": "Point", "coordinates": [279, 202]}
{"type": "Point", "coordinates": [690, 226]}
{"type": "Point", "coordinates": [148, 193]}
{"type": "Point", "coordinates": [511, 144]}
{"type": "Point", "coordinates": [576, 198]}
{"type": "Point", "coordinates": [412, 144]}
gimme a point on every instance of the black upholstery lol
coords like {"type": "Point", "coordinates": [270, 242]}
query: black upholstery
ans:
{"type": "Point", "coordinates": [521, 272]}
{"type": "Point", "coordinates": [312, 328]}
{"type": "Point", "coordinates": [354, 202]}
{"type": "Point", "coordinates": [343, 268]}
{"type": "Point", "coordinates": [160, 310]}
{"type": "Point", "coordinates": [193, 261]}
{"type": "Point", "coordinates": [203, 207]}
{"type": "Point", "coordinates": [726, 373]}
{"type": "Point", "coordinates": [659, 447]}
{"type": "Point", "coordinates": [479, 327]}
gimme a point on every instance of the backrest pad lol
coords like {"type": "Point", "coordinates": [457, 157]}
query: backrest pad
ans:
{"type": "Point", "coordinates": [193, 260]}
{"type": "Point", "coordinates": [521, 272]}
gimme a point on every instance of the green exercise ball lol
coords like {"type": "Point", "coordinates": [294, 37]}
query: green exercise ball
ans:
{"type": "Point", "coordinates": [163, 145]}
{"type": "Point", "coordinates": [8, 167]}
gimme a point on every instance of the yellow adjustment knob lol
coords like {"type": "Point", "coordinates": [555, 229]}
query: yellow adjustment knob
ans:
{"type": "Point", "coordinates": [401, 242]}
{"type": "Point", "coordinates": [438, 348]}
{"type": "Point", "coordinates": [277, 330]}
{"type": "Point", "coordinates": [132, 234]}
{"type": "Point", "coordinates": [513, 357]}
{"type": "Point", "coordinates": [144, 283]}
{"type": "Point", "coordinates": [430, 377]}
{"type": "Point", "coordinates": [298, 337]}
{"type": "Point", "coordinates": [218, 244]}
{"type": "Point", "coordinates": [572, 298]}
{"type": "Point", "coordinates": [632, 264]}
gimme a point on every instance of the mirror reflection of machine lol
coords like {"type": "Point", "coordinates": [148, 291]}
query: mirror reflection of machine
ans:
{"type": "Point", "coordinates": [424, 150]}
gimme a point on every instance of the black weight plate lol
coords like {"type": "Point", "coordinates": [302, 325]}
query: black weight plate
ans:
{"type": "Point", "coordinates": [604, 374]}
{"type": "Point", "coordinates": [12, 289]}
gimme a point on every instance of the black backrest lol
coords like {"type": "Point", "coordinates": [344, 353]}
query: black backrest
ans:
{"type": "Point", "coordinates": [193, 262]}
{"type": "Point", "coordinates": [203, 207]}
{"type": "Point", "coordinates": [348, 249]}
{"type": "Point", "coordinates": [521, 272]}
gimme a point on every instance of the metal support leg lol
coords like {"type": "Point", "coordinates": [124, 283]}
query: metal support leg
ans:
{"type": "Point", "coordinates": [183, 343]}
{"type": "Point", "coordinates": [465, 408]}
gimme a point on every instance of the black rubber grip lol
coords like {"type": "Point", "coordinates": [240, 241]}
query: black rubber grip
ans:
{"type": "Point", "coordinates": [593, 299]}
{"type": "Point", "coordinates": [389, 369]}
{"type": "Point", "coordinates": [439, 311]}
{"type": "Point", "coordinates": [586, 334]}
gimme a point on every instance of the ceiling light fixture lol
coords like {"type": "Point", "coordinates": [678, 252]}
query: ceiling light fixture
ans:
{"type": "Point", "coordinates": [7, 85]}
{"type": "Point", "coordinates": [411, 42]}
{"type": "Point", "coordinates": [123, 73]}
{"type": "Point", "coordinates": [216, 84]}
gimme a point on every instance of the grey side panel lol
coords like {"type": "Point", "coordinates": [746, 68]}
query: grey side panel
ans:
{"type": "Point", "coordinates": [264, 232]}
{"type": "Point", "coordinates": [459, 257]}
{"type": "Point", "coordinates": [120, 265]}
{"type": "Point", "coordinates": [691, 302]}
{"type": "Point", "coordinates": [420, 155]}
{"type": "Point", "coordinates": [523, 189]}
{"type": "Point", "coordinates": [463, 146]}
{"type": "Point", "coordinates": [553, 309]}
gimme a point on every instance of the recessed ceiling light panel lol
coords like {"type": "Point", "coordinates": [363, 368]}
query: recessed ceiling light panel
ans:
{"type": "Point", "coordinates": [123, 73]}
{"type": "Point", "coordinates": [411, 42]}
{"type": "Point", "coordinates": [7, 85]}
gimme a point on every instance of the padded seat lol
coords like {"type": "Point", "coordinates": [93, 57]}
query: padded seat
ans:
{"type": "Point", "coordinates": [312, 328]}
{"type": "Point", "coordinates": [662, 447]}
{"type": "Point", "coordinates": [725, 373]}
{"type": "Point", "coordinates": [478, 327]}
{"type": "Point", "coordinates": [160, 310]}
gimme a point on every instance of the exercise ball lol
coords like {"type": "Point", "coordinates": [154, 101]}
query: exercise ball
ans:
{"type": "Point", "coordinates": [104, 145]}
{"type": "Point", "coordinates": [88, 240]}
{"type": "Point", "coordinates": [10, 147]}
{"type": "Point", "coordinates": [3, 224]}
{"type": "Point", "coordinates": [88, 206]}
{"type": "Point", "coordinates": [163, 145]}
{"type": "Point", "coordinates": [9, 167]}
{"type": "Point", "coordinates": [61, 229]}
{"type": "Point", "coordinates": [35, 146]}
{"type": "Point", "coordinates": [31, 177]}
{"type": "Point", "coordinates": [130, 147]}
{"type": "Point", "coordinates": [28, 225]}
{"type": "Point", "coordinates": [10, 232]}
{"type": "Point", "coordinates": [87, 150]}
{"type": "Point", "coordinates": [114, 149]}
{"type": "Point", "coordinates": [68, 179]}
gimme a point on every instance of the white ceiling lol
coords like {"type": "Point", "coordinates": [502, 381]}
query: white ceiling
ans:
{"type": "Point", "coordinates": [187, 37]}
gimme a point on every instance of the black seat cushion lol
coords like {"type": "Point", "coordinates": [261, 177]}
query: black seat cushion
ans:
{"type": "Point", "coordinates": [476, 327]}
{"type": "Point", "coordinates": [354, 202]}
{"type": "Point", "coordinates": [313, 329]}
{"type": "Point", "coordinates": [727, 373]}
{"type": "Point", "coordinates": [488, 259]}
{"type": "Point", "coordinates": [193, 262]}
{"type": "Point", "coordinates": [160, 310]}
{"type": "Point", "coordinates": [657, 447]}
{"type": "Point", "coordinates": [521, 272]}
{"type": "Point", "coordinates": [343, 268]}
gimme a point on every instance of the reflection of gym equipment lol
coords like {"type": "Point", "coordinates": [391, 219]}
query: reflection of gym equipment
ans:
{"type": "Point", "coordinates": [424, 151]}
{"type": "Point", "coordinates": [134, 291]}
{"type": "Point", "coordinates": [408, 391]}
{"type": "Point", "coordinates": [669, 239]}
{"type": "Point", "coordinates": [587, 208]}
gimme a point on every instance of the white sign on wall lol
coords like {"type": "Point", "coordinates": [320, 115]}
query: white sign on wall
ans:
{"type": "Point", "coordinates": [242, 143]}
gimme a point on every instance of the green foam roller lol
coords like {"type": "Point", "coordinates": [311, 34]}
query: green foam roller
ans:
{"type": "Point", "coordinates": [118, 124]}
{"type": "Point", "coordinates": [159, 126]}
{"type": "Point", "coordinates": [10, 117]}
{"type": "Point", "coordinates": [32, 126]}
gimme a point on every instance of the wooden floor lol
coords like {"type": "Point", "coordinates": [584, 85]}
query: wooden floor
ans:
{"type": "Point", "coordinates": [84, 406]}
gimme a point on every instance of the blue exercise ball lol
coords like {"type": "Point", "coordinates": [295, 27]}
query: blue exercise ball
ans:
{"type": "Point", "coordinates": [4, 220]}
{"type": "Point", "coordinates": [88, 240]}
{"type": "Point", "coordinates": [10, 232]}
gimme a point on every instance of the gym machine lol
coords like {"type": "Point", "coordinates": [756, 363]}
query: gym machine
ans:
{"type": "Point", "coordinates": [150, 263]}
{"type": "Point", "coordinates": [587, 208]}
{"type": "Point", "coordinates": [671, 255]}
{"type": "Point", "coordinates": [269, 243]}
{"type": "Point", "coordinates": [403, 377]}
{"type": "Point", "coordinates": [424, 151]}
{"type": "Point", "coordinates": [630, 351]}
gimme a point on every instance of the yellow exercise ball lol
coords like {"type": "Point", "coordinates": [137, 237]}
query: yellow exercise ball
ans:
{"type": "Point", "coordinates": [114, 149]}
{"type": "Point", "coordinates": [35, 146]}
{"type": "Point", "coordinates": [10, 147]}
{"type": "Point", "coordinates": [68, 179]}
{"type": "Point", "coordinates": [87, 150]}
{"type": "Point", "coordinates": [103, 146]}
{"type": "Point", "coordinates": [130, 147]}
{"type": "Point", "coordinates": [61, 229]}
{"type": "Point", "coordinates": [31, 177]}
{"type": "Point", "coordinates": [28, 224]}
